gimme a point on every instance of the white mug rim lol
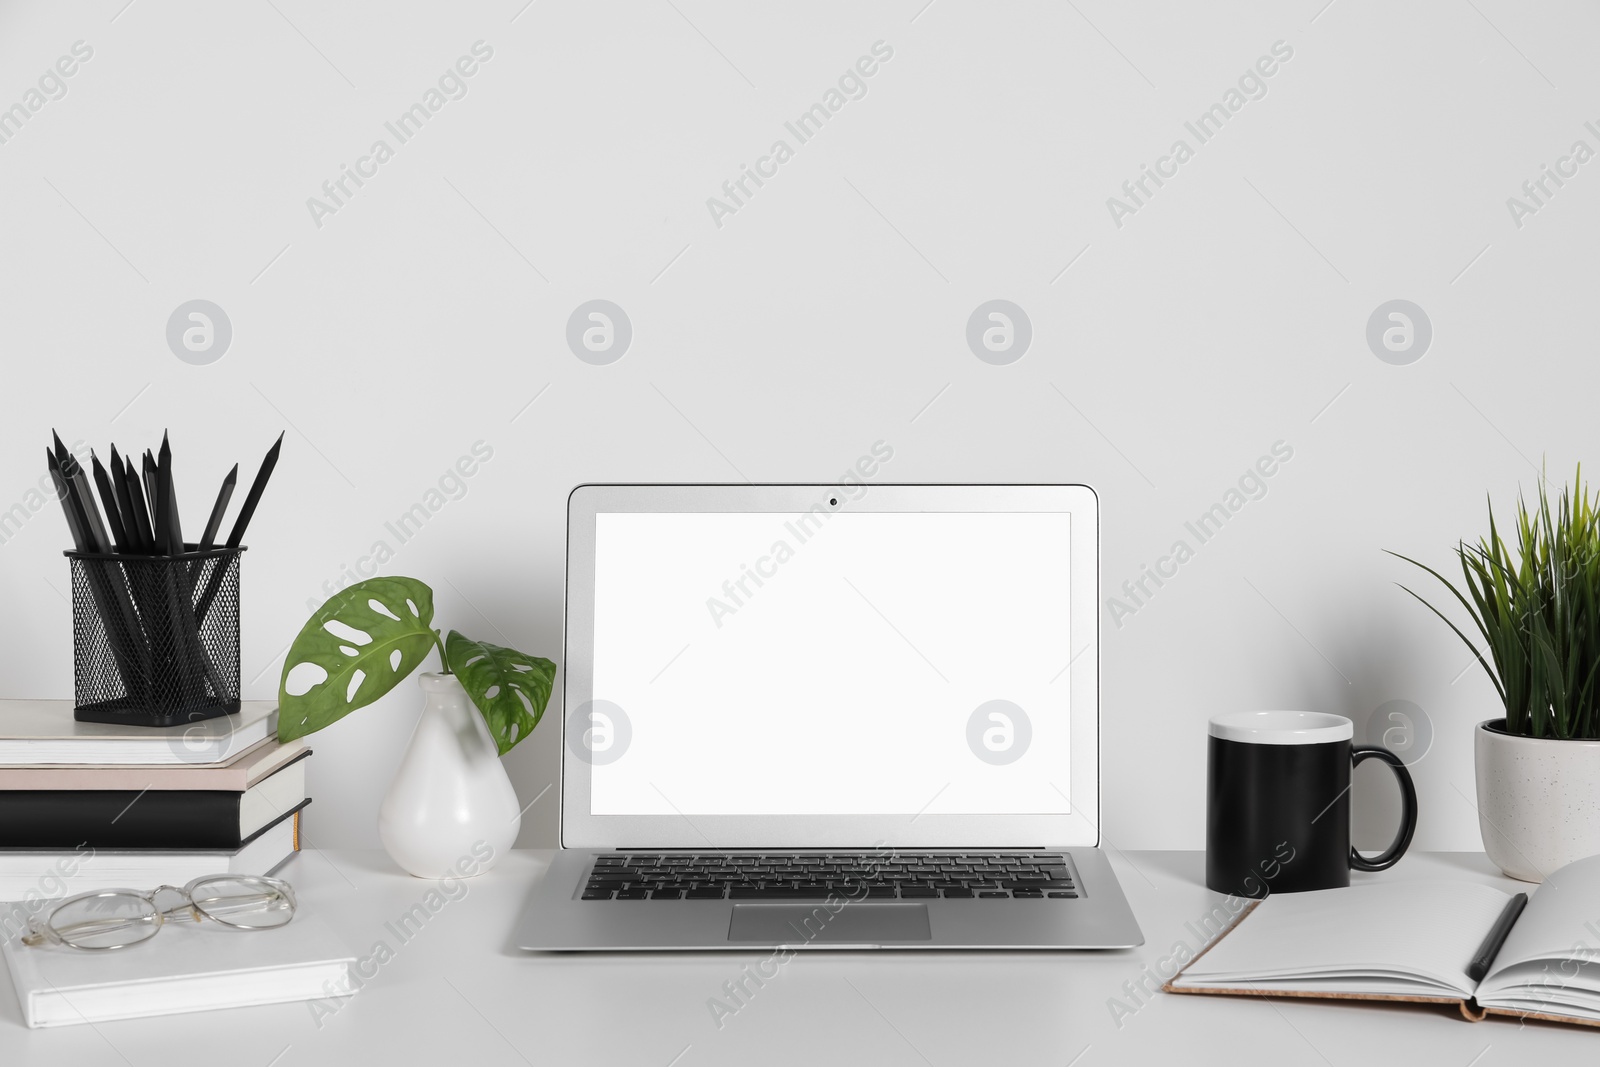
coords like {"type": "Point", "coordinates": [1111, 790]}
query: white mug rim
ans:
{"type": "Point", "coordinates": [1282, 727]}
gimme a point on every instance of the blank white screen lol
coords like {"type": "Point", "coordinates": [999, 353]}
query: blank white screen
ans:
{"type": "Point", "coordinates": [844, 683]}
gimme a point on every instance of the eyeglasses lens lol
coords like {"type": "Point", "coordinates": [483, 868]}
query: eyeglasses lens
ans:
{"type": "Point", "coordinates": [244, 902]}
{"type": "Point", "coordinates": [109, 921]}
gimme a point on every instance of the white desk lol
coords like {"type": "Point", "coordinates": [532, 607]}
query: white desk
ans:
{"type": "Point", "coordinates": [456, 993]}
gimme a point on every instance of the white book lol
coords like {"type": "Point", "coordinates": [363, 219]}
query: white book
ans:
{"type": "Point", "coordinates": [185, 967]}
{"type": "Point", "coordinates": [38, 732]}
{"type": "Point", "coordinates": [234, 775]}
{"type": "Point", "coordinates": [1414, 941]}
{"type": "Point", "coordinates": [34, 877]}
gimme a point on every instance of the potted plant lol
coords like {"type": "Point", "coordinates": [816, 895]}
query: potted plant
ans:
{"type": "Point", "coordinates": [451, 799]}
{"type": "Point", "coordinates": [1536, 605]}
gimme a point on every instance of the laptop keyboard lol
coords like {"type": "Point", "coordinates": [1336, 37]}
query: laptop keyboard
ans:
{"type": "Point", "coordinates": [803, 876]}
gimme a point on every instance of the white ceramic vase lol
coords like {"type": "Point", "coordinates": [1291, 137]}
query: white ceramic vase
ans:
{"type": "Point", "coordinates": [1538, 800]}
{"type": "Point", "coordinates": [451, 797]}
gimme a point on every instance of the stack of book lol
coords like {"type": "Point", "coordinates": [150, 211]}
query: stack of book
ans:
{"type": "Point", "coordinates": [91, 806]}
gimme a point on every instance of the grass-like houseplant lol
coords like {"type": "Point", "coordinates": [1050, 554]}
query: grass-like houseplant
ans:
{"type": "Point", "coordinates": [1535, 603]}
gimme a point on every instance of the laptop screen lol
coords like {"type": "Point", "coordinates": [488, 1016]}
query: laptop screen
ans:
{"type": "Point", "coordinates": [852, 663]}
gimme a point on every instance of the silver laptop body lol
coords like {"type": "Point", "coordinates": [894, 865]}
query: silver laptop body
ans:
{"type": "Point", "coordinates": [830, 716]}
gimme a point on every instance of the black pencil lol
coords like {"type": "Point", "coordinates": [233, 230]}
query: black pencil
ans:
{"type": "Point", "coordinates": [69, 504]}
{"type": "Point", "coordinates": [163, 503]}
{"type": "Point", "coordinates": [157, 499]}
{"type": "Point", "coordinates": [119, 489]}
{"type": "Point", "coordinates": [78, 486]}
{"type": "Point", "coordinates": [236, 538]}
{"type": "Point", "coordinates": [108, 497]}
{"type": "Point", "coordinates": [141, 510]}
{"type": "Point", "coordinates": [252, 498]}
{"type": "Point", "coordinates": [208, 539]}
{"type": "Point", "coordinates": [110, 597]}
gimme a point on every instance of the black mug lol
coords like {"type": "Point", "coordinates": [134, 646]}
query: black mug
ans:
{"type": "Point", "coordinates": [1278, 803]}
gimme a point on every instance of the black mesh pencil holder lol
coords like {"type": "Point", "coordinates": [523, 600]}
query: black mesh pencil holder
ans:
{"type": "Point", "coordinates": [155, 639]}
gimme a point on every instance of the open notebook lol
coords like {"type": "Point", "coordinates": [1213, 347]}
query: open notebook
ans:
{"type": "Point", "coordinates": [1412, 941]}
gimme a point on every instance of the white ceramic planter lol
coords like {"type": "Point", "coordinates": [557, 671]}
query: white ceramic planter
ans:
{"type": "Point", "coordinates": [1538, 800]}
{"type": "Point", "coordinates": [451, 796]}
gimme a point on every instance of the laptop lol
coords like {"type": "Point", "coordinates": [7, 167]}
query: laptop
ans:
{"type": "Point", "coordinates": [830, 717]}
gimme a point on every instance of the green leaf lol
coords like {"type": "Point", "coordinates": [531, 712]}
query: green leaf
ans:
{"type": "Point", "coordinates": [1457, 593]}
{"type": "Point", "coordinates": [1464, 640]}
{"type": "Point", "coordinates": [510, 688]}
{"type": "Point", "coordinates": [1535, 599]}
{"type": "Point", "coordinates": [397, 640]}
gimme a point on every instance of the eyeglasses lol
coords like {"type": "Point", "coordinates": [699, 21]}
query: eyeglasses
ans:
{"type": "Point", "coordinates": [117, 918]}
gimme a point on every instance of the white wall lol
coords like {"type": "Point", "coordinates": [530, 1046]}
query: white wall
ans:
{"type": "Point", "coordinates": [1228, 313]}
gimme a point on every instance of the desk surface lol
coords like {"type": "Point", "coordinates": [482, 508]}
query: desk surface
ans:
{"type": "Point", "coordinates": [455, 992]}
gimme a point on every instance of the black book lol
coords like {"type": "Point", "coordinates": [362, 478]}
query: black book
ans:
{"type": "Point", "coordinates": [150, 818]}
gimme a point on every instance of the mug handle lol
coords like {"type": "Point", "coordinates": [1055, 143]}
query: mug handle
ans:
{"type": "Point", "coordinates": [1408, 802]}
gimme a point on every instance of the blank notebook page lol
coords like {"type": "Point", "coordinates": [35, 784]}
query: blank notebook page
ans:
{"type": "Point", "coordinates": [1551, 959]}
{"type": "Point", "coordinates": [1427, 930]}
{"type": "Point", "coordinates": [1561, 916]}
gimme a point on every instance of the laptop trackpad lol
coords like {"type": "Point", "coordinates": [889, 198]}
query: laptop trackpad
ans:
{"type": "Point", "coordinates": [856, 924]}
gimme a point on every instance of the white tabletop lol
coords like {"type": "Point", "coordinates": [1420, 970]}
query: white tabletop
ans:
{"type": "Point", "coordinates": [456, 993]}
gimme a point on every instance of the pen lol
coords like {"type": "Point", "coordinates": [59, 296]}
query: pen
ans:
{"type": "Point", "coordinates": [1497, 938]}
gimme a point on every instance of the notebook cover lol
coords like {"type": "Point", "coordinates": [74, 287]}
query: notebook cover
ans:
{"type": "Point", "coordinates": [40, 732]}
{"type": "Point", "coordinates": [9, 857]}
{"type": "Point", "coordinates": [122, 819]}
{"type": "Point", "coordinates": [184, 967]}
{"type": "Point", "coordinates": [238, 773]}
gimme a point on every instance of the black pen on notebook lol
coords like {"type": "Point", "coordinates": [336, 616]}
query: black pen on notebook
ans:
{"type": "Point", "coordinates": [1484, 959]}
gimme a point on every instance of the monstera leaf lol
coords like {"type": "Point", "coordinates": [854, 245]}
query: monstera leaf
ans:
{"type": "Point", "coordinates": [393, 617]}
{"type": "Point", "coordinates": [510, 688]}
